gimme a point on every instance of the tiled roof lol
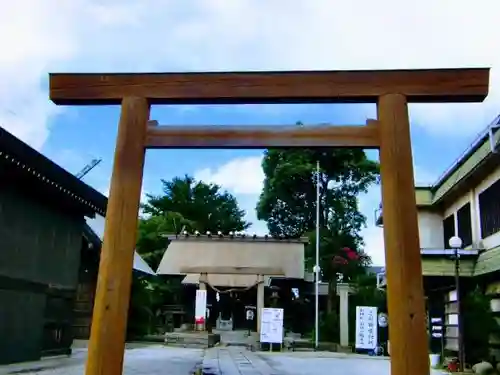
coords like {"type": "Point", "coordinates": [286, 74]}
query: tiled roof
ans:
{"type": "Point", "coordinates": [38, 171]}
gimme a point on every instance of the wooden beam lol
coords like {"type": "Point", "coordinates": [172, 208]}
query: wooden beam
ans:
{"type": "Point", "coordinates": [109, 323]}
{"type": "Point", "coordinates": [405, 294]}
{"type": "Point", "coordinates": [222, 270]}
{"type": "Point", "coordinates": [245, 137]}
{"type": "Point", "coordinates": [438, 85]}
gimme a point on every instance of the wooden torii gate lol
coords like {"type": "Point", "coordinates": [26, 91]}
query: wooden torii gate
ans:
{"type": "Point", "coordinates": [391, 90]}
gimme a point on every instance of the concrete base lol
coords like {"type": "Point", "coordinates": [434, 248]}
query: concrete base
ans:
{"type": "Point", "coordinates": [344, 349]}
{"type": "Point", "coordinates": [200, 340]}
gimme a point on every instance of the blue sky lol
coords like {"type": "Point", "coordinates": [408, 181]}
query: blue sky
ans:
{"type": "Point", "coordinates": [168, 35]}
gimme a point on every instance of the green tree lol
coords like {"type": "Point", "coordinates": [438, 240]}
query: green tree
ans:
{"type": "Point", "coordinates": [150, 243]}
{"type": "Point", "coordinates": [185, 204]}
{"type": "Point", "coordinates": [288, 200]}
{"type": "Point", "coordinates": [150, 293]}
{"type": "Point", "coordinates": [340, 255]}
{"type": "Point", "coordinates": [205, 206]}
{"type": "Point", "coordinates": [288, 204]}
{"type": "Point", "coordinates": [480, 324]}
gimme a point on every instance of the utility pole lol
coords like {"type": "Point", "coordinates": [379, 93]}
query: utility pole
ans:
{"type": "Point", "coordinates": [316, 267]}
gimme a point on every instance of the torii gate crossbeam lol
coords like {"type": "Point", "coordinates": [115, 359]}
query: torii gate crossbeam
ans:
{"type": "Point", "coordinates": [391, 90]}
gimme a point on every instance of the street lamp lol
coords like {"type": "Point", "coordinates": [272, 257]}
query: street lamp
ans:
{"type": "Point", "coordinates": [456, 243]}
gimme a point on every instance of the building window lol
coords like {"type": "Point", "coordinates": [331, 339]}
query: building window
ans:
{"type": "Point", "coordinates": [452, 296]}
{"type": "Point", "coordinates": [448, 230]}
{"type": "Point", "coordinates": [489, 209]}
{"type": "Point", "coordinates": [464, 222]}
{"type": "Point", "coordinates": [452, 320]}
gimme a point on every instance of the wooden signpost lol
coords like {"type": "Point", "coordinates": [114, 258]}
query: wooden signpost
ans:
{"type": "Point", "coordinates": [391, 90]}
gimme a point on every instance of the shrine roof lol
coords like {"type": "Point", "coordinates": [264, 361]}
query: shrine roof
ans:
{"type": "Point", "coordinates": [233, 255]}
{"type": "Point", "coordinates": [235, 238]}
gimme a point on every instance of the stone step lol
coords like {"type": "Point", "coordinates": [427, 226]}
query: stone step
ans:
{"type": "Point", "coordinates": [191, 340]}
{"type": "Point", "coordinates": [187, 345]}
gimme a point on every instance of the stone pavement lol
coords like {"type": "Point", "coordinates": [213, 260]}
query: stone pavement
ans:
{"type": "Point", "coordinates": [315, 363]}
{"type": "Point", "coordinates": [152, 360]}
{"type": "Point", "coordinates": [234, 361]}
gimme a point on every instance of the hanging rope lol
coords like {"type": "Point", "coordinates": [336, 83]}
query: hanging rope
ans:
{"type": "Point", "coordinates": [232, 289]}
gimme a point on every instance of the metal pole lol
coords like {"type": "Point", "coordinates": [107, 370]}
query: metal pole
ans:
{"type": "Point", "coordinates": [316, 331]}
{"type": "Point", "coordinates": [461, 354]}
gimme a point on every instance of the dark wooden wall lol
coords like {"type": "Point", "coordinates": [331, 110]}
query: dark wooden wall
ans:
{"type": "Point", "coordinates": [85, 293]}
{"type": "Point", "coordinates": [40, 247]}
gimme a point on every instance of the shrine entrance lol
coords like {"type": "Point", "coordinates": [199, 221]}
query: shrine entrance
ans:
{"type": "Point", "coordinates": [234, 269]}
{"type": "Point", "coordinates": [230, 306]}
{"type": "Point", "coordinates": [391, 90]}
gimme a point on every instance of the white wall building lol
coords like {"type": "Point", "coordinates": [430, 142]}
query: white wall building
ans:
{"type": "Point", "coordinates": [464, 202]}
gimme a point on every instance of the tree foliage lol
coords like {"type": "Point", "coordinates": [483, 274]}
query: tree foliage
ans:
{"type": "Point", "coordinates": [334, 260]}
{"type": "Point", "coordinates": [150, 244]}
{"type": "Point", "coordinates": [288, 200]}
{"type": "Point", "coordinates": [480, 324]}
{"type": "Point", "coordinates": [203, 207]}
{"type": "Point", "coordinates": [185, 204]}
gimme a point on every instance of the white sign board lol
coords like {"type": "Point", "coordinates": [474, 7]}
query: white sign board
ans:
{"type": "Point", "coordinates": [366, 327]}
{"type": "Point", "coordinates": [271, 326]}
{"type": "Point", "coordinates": [200, 308]}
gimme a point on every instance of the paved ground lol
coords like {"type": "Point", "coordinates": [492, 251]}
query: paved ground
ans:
{"type": "Point", "coordinates": [156, 360]}
{"type": "Point", "coordinates": [311, 363]}
{"type": "Point", "coordinates": [152, 360]}
{"type": "Point", "coordinates": [234, 361]}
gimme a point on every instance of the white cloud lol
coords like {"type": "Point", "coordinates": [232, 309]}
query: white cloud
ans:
{"type": "Point", "coordinates": [244, 178]}
{"type": "Point", "coordinates": [114, 35]}
{"type": "Point", "coordinates": [92, 35]}
{"type": "Point", "coordinates": [240, 176]}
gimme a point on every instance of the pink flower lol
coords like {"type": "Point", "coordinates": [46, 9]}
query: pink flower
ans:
{"type": "Point", "coordinates": [339, 260]}
{"type": "Point", "coordinates": [352, 255]}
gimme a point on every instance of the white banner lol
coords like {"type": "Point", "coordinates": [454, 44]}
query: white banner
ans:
{"type": "Point", "coordinates": [200, 308]}
{"type": "Point", "coordinates": [366, 327]}
{"type": "Point", "coordinates": [271, 326]}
